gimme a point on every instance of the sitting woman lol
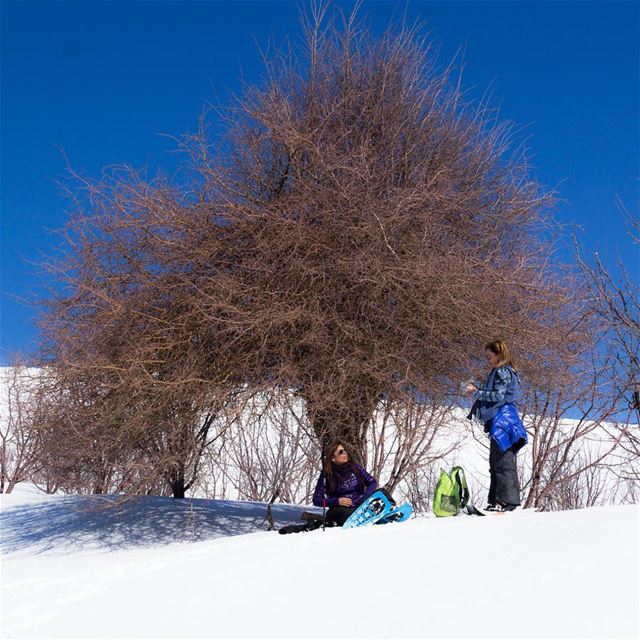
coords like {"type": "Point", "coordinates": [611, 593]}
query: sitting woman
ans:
{"type": "Point", "coordinates": [345, 484]}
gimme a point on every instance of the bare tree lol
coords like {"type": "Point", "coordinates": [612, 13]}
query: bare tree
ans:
{"type": "Point", "coordinates": [99, 438]}
{"type": "Point", "coordinates": [355, 236]}
{"type": "Point", "coordinates": [19, 402]}
{"type": "Point", "coordinates": [616, 301]}
{"type": "Point", "coordinates": [371, 229]}
{"type": "Point", "coordinates": [267, 452]}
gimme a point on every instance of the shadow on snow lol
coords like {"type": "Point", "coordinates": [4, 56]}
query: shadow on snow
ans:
{"type": "Point", "coordinates": [77, 523]}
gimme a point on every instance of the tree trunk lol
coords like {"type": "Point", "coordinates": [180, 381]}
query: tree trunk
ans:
{"type": "Point", "coordinates": [344, 416]}
{"type": "Point", "coordinates": [177, 483]}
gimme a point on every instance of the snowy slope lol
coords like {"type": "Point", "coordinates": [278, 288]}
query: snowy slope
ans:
{"type": "Point", "coordinates": [159, 568]}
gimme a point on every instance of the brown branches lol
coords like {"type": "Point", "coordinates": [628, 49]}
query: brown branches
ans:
{"type": "Point", "coordinates": [616, 302]}
{"type": "Point", "coordinates": [376, 231]}
{"type": "Point", "coordinates": [21, 401]}
{"type": "Point", "coordinates": [356, 235]}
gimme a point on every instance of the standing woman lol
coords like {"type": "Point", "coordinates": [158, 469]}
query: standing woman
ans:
{"type": "Point", "coordinates": [495, 406]}
{"type": "Point", "coordinates": [345, 483]}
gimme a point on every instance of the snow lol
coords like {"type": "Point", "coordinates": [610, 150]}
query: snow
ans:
{"type": "Point", "coordinates": [80, 567]}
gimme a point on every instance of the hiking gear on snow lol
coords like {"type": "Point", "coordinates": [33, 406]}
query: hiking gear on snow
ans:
{"type": "Point", "coordinates": [379, 508]}
{"type": "Point", "coordinates": [375, 507]}
{"type": "Point", "coordinates": [450, 493]}
{"type": "Point", "coordinates": [445, 498]}
{"type": "Point", "coordinates": [399, 513]}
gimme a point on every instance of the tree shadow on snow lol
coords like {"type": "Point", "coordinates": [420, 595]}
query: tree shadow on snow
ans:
{"type": "Point", "coordinates": [78, 523]}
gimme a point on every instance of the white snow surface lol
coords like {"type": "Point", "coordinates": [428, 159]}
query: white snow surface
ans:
{"type": "Point", "coordinates": [80, 567]}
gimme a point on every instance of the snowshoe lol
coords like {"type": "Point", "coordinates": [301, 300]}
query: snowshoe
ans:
{"type": "Point", "coordinates": [398, 514]}
{"type": "Point", "coordinates": [374, 508]}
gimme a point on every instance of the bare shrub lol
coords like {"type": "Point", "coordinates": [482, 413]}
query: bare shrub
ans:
{"type": "Point", "coordinates": [368, 219]}
{"type": "Point", "coordinates": [616, 301]}
{"type": "Point", "coordinates": [266, 452]}
{"type": "Point", "coordinates": [347, 238]}
{"type": "Point", "coordinates": [576, 438]}
{"type": "Point", "coordinates": [19, 405]}
{"type": "Point", "coordinates": [405, 440]}
{"type": "Point", "coordinates": [269, 451]}
{"type": "Point", "coordinates": [97, 435]}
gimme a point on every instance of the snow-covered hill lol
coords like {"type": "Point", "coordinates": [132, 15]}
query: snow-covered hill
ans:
{"type": "Point", "coordinates": [159, 568]}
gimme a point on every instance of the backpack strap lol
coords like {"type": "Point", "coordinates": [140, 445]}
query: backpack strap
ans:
{"type": "Point", "coordinates": [460, 482]}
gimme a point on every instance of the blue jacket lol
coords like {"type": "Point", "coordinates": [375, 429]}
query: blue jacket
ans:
{"type": "Point", "coordinates": [501, 387]}
{"type": "Point", "coordinates": [495, 406]}
{"type": "Point", "coordinates": [350, 486]}
{"type": "Point", "coordinates": [507, 429]}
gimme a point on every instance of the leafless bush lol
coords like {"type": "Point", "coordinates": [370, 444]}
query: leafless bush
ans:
{"type": "Point", "coordinates": [267, 452]}
{"type": "Point", "coordinates": [577, 438]}
{"type": "Point", "coordinates": [368, 221]}
{"type": "Point", "coordinates": [616, 301]}
{"type": "Point", "coordinates": [19, 403]}
{"type": "Point", "coordinates": [405, 440]}
{"type": "Point", "coordinates": [270, 450]}
{"type": "Point", "coordinates": [358, 231]}
{"type": "Point", "coordinates": [96, 435]}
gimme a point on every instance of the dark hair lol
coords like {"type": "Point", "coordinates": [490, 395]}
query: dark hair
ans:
{"type": "Point", "coordinates": [331, 469]}
{"type": "Point", "coordinates": [331, 449]}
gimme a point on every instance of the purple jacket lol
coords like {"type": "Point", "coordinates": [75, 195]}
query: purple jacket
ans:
{"type": "Point", "coordinates": [349, 486]}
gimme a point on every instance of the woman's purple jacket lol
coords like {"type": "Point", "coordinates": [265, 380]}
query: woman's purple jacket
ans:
{"type": "Point", "coordinates": [348, 487]}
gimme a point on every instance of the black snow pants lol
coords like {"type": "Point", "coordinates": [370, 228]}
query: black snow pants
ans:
{"type": "Point", "coordinates": [339, 515]}
{"type": "Point", "coordinates": [505, 486]}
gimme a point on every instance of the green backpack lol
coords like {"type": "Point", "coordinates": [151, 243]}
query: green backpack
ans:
{"type": "Point", "coordinates": [452, 493]}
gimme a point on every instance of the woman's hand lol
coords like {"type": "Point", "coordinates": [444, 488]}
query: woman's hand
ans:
{"type": "Point", "coordinates": [345, 502]}
{"type": "Point", "coordinates": [470, 388]}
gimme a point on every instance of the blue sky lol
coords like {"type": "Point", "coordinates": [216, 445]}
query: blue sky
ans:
{"type": "Point", "coordinates": [103, 80]}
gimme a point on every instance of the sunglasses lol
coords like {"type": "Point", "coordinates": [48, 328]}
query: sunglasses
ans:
{"type": "Point", "coordinates": [340, 451]}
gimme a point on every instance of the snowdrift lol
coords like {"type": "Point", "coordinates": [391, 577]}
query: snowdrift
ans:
{"type": "Point", "coordinates": [78, 567]}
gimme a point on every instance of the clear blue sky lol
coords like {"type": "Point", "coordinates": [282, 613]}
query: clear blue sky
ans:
{"type": "Point", "coordinates": [102, 80]}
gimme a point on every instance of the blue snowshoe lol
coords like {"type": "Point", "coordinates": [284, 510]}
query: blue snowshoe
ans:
{"type": "Point", "coordinates": [398, 514]}
{"type": "Point", "coordinates": [374, 508]}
